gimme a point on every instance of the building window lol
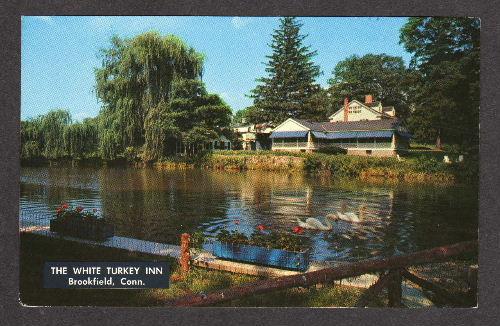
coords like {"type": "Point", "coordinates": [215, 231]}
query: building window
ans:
{"type": "Point", "coordinates": [355, 109]}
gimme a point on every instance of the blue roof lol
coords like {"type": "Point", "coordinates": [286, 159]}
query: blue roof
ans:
{"type": "Point", "coordinates": [288, 134]}
{"type": "Point", "coordinates": [354, 134]}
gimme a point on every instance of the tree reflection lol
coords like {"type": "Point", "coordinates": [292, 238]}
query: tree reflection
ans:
{"type": "Point", "coordinates": [159, 205]}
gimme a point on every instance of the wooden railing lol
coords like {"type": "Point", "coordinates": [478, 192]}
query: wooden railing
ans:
{"type": "Point", "coordinates": [393, 269]}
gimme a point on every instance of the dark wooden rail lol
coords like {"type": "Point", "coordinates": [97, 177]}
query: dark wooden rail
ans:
{"type": "Point", "coordinates": [394, 264]}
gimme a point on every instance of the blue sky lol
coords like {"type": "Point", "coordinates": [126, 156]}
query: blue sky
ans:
{"type": "Point", "coordinates": [59, 54]}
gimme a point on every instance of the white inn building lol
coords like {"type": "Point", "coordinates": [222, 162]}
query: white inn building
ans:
{"type": "Point", "coordinates": [361, 128]}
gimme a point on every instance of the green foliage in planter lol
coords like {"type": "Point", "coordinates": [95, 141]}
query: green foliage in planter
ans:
{"type": "Point", "coordinates": [197, 240]}
{"type": "Point", "coordinates": [271, 240]}
{"type": "Point", "coordinates": [66, 213]}
{"type": "Point", "coordinates": [232, 237]}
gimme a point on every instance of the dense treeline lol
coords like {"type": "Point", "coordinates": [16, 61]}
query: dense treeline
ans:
{"type": "Point", "coordinates": [437, 95]}
{"type": "Point", "coordinates": [444, 79]}
{"type": "Point", "coordinates": [153, 98]}
{"type": "Point", "coordinates": [54, 136]}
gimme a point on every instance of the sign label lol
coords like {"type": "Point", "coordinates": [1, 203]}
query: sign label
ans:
{"type": "Point", "coordinates": [106, 275]}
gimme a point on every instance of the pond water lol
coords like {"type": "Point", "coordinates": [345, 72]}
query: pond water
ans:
{"type": "Point", "coordinates": [160, 205]}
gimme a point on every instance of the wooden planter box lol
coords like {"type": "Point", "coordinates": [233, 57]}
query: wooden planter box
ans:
{"type": "Point", "coordinates": [86, 229]}
{"type": "Point", "coordinates": [262, 256]}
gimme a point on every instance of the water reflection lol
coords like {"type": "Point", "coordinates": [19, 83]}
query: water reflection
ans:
{"type": "Point", "coordinates": [159, 205]}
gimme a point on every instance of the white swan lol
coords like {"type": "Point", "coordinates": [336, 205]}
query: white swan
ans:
{"type": "Point", "coordinates": [313, 223]}
{"type": "Point", "coordinates": [348, 217]}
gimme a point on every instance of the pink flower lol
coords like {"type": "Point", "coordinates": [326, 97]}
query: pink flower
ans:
{"type": "Point", "coordinates": [261, 227]}
{"type": "Point", "coordinates": [237, 222]}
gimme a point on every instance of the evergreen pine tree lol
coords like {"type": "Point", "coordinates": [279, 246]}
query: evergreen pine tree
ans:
{"type": "Point", "coordinates": [290, 84]}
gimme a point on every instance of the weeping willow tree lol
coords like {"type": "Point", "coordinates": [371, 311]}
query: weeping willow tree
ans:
{"type": "Point", "coordinates": [52, 127]}
{"type": "Point", "coordinates": [81, 139]}
{"type": "Point", "coordinates": [135, 78]}
{"type": "Point", "coordinates": [191, 117]}
{"type": "Point", "coordinates": [31, 139]}
{"type": "Point", "coordinates": [53, 136]}
{"type": "Point", "coordinates": [161, 129]}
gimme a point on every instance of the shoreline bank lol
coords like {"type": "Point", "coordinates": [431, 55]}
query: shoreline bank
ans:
{"type": "Point", "coordinates": [368, 169]}
{"type": "Point", "coordinates": [419, 169]}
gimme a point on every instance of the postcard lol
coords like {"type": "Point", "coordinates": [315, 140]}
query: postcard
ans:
{"type": "Point", "coordinates": [249, 161]}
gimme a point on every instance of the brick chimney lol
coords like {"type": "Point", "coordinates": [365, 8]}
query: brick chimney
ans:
{"type": "Point", "coordinates": [346, 109]}
{"type": "Point", "coordinates": [368, 99]}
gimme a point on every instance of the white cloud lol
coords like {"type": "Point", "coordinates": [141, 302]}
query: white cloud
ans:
{"type": "Point", "coordinates": [46, 19]}
{"type": "Point", "coordinates": [240, 22]}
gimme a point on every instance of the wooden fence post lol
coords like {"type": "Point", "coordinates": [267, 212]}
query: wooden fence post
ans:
{"type": "Point", "coordinates": [326, 275]}
{"type": "Point", "coordinates": [394, 289]}
{"type": "Point", "coordinates": [374, 290]}
{"type": "Point", "coordinates": [185, 255]}
{"type": "Point", "coordinates": [441, 295]}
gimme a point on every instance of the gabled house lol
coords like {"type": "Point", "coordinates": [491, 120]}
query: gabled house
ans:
{"type": "Point", "coordinates": [357, 111]}
{"type": "Point", "coordinates": [254, 136]}
{"type": "Point", "coordinates": [361, 128]}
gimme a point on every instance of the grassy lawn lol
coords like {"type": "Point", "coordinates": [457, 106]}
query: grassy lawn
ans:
{"type": "Point", "coordinates": [35, 250]}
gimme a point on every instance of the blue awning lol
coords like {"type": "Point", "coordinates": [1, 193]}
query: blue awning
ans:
{"type": "Point", "coordinates": [376, 134]}
{"type": "Point", "coordinates": [353, 134]}
{"type": "Point", "coordinates": [288, 134]}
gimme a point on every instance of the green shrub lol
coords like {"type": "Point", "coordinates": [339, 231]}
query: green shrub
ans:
{"type": "Point", "coordinates": [428, 165]}
{"type": "Point", "coordinates": [131, 154]}
{"type": "Point", "coordinates": [197, 240]}
{"type": "Point", "coordinates": [453, 149]}
{"type": "Point", "coordinates": [31, 150]}
{"type": "Point", "coordinates": [332, 150]}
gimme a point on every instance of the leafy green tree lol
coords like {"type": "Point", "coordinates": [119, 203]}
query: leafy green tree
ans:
{"type": "Point", "coordinates": [161, 128]}
{"type": "Point", "coordinates": [320, 106]}
{"type": "Point", "coordinates": [53, 136]}
{"type": "Point", "coordinates": [31, 139]}
{"type": "Point", "coordinates": [110, 134]}
{"type": "Point", "coordinates": [239, 117]}
{"type": "Point", "coordinates": [52, 128]}
{"type": "Point", "coordinates": [445, 92]}
{"type": "Point", "coordinates": [290, 83]}
{"type": "Point", "coordinates": [191, 116]}
{"type": "Point", "coordinates": [136, 76]}
{"type": "Point", "coordinates": [381, 75]}
{"type": "Point", "coordinates": [81, 139]}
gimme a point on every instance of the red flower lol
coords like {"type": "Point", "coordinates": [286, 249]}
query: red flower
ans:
{"type": "Point", "coordinates": [298, 230]}
{"type": "Point", "coordinates": [79, 209]}
{"type": "Point", "coordinates": [237, 222]}
{"type": "Point", "coordinates": [261, 227]}
{"type": "Point", "coordinates": [64, 205]}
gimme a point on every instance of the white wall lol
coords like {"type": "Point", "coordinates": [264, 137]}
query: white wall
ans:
{"type": "Point", "coordinates": [290, 125]}
{"type": "Point", "coordinates": [357, 112]}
